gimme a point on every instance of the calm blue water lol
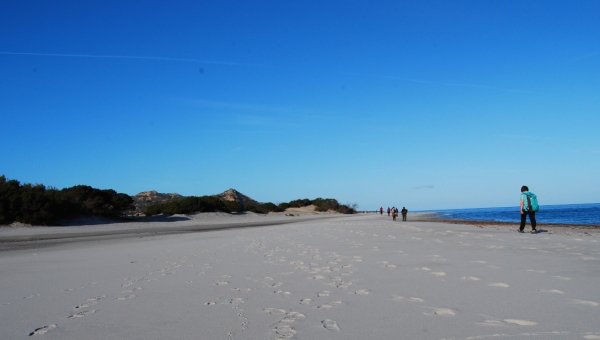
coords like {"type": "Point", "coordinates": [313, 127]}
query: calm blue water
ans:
{"type": "Point", "coordinates": [553, 214]}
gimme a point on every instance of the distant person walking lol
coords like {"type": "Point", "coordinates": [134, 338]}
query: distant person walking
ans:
{"type": "Point", "coordinates": [529, 206]}
{"type": "Point", "coordinates": [389, 211]}
{"type": "Point", "coordinates": [404, 212]}
{"type": "Point", "coordinates": [381, 210]}
{"type": "Point", "coordinates": [394, 213]}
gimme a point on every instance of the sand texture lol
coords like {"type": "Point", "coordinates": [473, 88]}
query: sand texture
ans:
{"type": "Point", "coordinates": [342, 277]}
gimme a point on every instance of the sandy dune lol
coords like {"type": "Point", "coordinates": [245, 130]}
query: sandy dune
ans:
{"type": "Point", "coordinates": [347, 277]}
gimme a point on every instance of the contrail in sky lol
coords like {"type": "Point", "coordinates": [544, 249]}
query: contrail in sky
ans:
{"type": "Point", "coordinates": [441, 83]}
{"type": "Point", "coordinates": [128, 57]}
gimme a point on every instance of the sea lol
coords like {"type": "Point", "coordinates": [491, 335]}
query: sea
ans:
{"type": "Point", "coordinates": [588, 214]}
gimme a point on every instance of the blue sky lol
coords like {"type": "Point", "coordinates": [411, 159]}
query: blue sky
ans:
{"type": "Point", "coordinates": [423, 104]}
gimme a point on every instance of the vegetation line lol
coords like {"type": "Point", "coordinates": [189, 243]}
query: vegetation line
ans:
{"type": "Point", "coordinates": [37, 204]}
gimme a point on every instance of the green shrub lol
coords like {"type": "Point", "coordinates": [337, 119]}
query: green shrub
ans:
{"type": "Point", "coordinates": [283, 206]}
{"type": "Point", "coordinates": [190, 205]}
{"type": "Point", "coordinates": [300, 203]}
{"type": "Point", "coordinates": [37, 204]}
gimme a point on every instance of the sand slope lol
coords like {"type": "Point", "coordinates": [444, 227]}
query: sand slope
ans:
{"type": "Point", "coordinates": [359, 277]}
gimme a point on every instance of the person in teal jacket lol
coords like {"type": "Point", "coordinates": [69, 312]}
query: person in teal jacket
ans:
{"type": "Point", "coordinates": [524, 211]}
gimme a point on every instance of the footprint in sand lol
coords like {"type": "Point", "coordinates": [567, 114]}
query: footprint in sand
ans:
{"type": "Point", "coordinates": [236, 301]}
{"type": "Point", "coordinates": [210, 303]}
{"type": "Point", "coordinates": [82, 314]}
{"type": "Point", "coordinates": [499, 284]}
{"type": "Point", "coordinates": [556, 291]}
{"type": "Point", "coordinates": [444, 312]}
{"type": "Point", "coordinates": [520, 322]}
{"type": "Point", "coordinates": [323, 293]}
{"type": "Point", "coordinates": [282, 293]}
{"type": "Point", "coordinates": [330, 325]}
{"type": "Point", "coordinates": [127, 297]}
{"type": "Point", "coordinates": [31, 296]}
{"type": "Point", "coordinates": [242, 290]}
{"type": "Point", "coordinates": [305, 301]}
{"type": "Point", "coordinates": [362, 292]}
{"type": "Point", "coordinates": [411, 299]}
{"type": "Point", "coordinates": [284, 332]}
{"type": "Point", "coordinates": [591, 337]}
{"type": "Point", "coordinates": [282, 329]}
{"type": "Point", "coordinates": [274, 311]}
{"type": "Point", "coordinates": [293, 316]}
{"type": "Point", "coordinates": [471, 278]}
{"type": "Point", "coordinates": [126, 291]}
{"type": "Point", "coordinates": [42, 330]}
{"type": "Point", "coordinates": [278, 284]}
{"type": "Point", "coordinates": [562, 278]}
{"type": "Point", "coordinates": [326, 306]}
{"type": "Point", "coordinates": [340, 284]}
{"type": "Point", "coordinates": [330, 305]}
{"type": "Point", "coordinates": [586, 303]}
{"type": "Point", "coordinates": [440, 312]}
{"type": "Point", "coordinates": [438, 273]}
{"type": "Point", "coordinates": [221, 283]}
{"type": "Point", "coordinates": [90, 302]}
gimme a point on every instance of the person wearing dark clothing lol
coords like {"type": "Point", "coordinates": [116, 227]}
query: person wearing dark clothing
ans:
{"type": "Point", "coordinates": [404, 212]}
{"type": "Point", "coordinates": [381, 210]}
{"type": "Point", "coordinates": [388, 211]}
{"type": "Point", "coordinates": [524, 212]}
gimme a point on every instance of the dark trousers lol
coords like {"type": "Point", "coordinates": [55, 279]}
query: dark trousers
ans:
{"type": "Point", "coordinates": [531, 219]}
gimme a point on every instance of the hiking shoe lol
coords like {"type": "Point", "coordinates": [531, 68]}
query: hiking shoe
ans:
{"type": "Point", "coordinates": [533, 231]}
{"type": "Point", "coordinates": [521, 231]}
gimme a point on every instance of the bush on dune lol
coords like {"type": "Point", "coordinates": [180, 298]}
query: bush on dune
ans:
{"type": "Point", "coordinates": [190, 205]}
{"type": "Point", "coordinates": [194, 204]}
{"type": "Point", "coordinates": [37, 204]}
{"type": "Point", "coordinates": [326, 204]}
{"type": "Point", "coordinates": [305, 202]}
{"type": "Point", "coordinates": [263, 208]}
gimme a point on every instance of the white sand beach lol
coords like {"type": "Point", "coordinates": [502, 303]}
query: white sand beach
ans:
{"type": "Point", "coordinates": [221, 276]}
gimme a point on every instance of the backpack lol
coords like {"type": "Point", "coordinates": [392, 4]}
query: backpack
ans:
{"type": "Point", "coordinates": [531, 203]}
